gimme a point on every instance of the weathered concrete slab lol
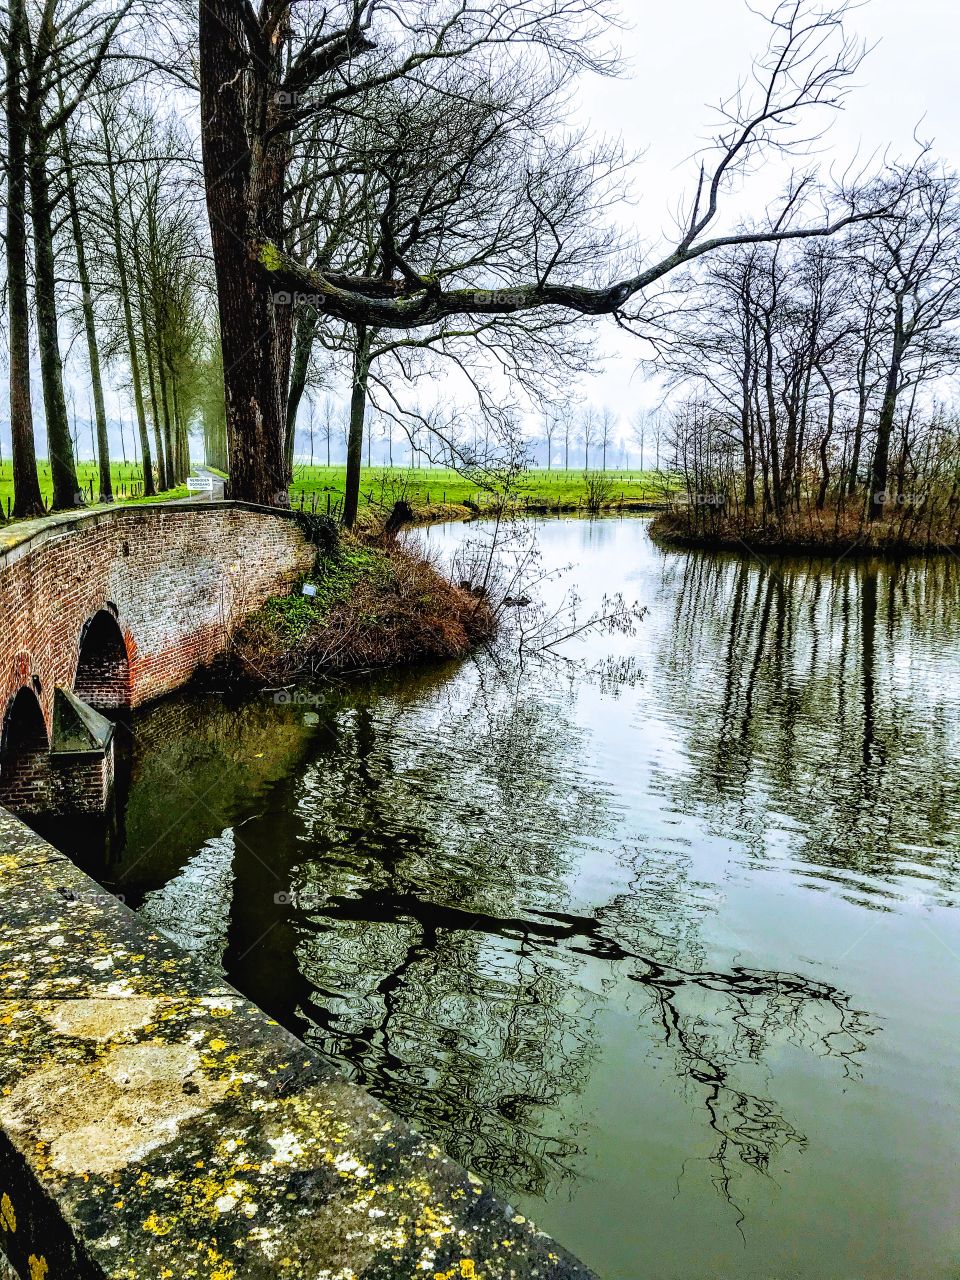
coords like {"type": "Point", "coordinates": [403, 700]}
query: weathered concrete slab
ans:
{"type": "Point", "coordinates": [153, 1123]}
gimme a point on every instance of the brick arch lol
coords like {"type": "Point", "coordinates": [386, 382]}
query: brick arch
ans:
{"type": "Point", "coordinates": [162, 566]}
{"type": "Point", "coordinates": [103, 665]}
{"type": "Point", "coordinates": [24, 748]}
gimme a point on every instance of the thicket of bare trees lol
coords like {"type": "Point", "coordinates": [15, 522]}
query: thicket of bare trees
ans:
{"type": "Point", "coordinates": [102, 233]}
{"type": "Point", "coordinates": [270, 78]}
{"type": "Point", "coordinates": [237, 208]}
{"type": "Point", "coordinates": [816, 375]}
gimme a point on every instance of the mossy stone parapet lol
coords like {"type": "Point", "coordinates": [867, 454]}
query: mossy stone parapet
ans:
{"type": "Point", "coordinates": [153, 1123]}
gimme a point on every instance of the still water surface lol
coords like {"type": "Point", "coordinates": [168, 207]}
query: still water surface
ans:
{"type": "Point", "coordinates": [671, 958]}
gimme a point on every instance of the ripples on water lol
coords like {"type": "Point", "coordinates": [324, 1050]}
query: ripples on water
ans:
{"type": "Point", "coordinates": [674, 961]}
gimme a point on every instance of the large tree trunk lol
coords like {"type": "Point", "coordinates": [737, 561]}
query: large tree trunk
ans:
{"type": "Point", "coordinates": [147, 463]}
{"type": "Point", "coordinates": [27, 499]}
{"type": "Point", "coordinates": [880, 471]}
{"type": "Point", "coordinates": [244, 179]}
{"type": "Point", "coordinates": [66, 486]}
{"type": "Point", "coordinates": [358, 407]}
{"type": "Point", "coordinates": [89, 321]}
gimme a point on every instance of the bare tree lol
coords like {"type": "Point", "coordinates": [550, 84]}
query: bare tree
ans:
{"type": "Point", "coordinates": [606, 427]}
{"type": "Point", "coordinates": [26, 481]}
{"type": "Point", "coordinates": [916, 254]}
{"type": "Point", "coordinates": [59, 50]}
{"type": "Point", "coordinates": [551, 425]}
{"type": "Point", "coordinates": [264, 75]}
{"type": "Point", "coordinates": [588, 432]}
{"type": "Point", "coordinates": [638, 431]}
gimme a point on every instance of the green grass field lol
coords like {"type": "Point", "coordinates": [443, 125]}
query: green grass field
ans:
{"type": "Point", "coordinates": [382, 486]}
{"type": "Point", "coordinates": [127, 478]}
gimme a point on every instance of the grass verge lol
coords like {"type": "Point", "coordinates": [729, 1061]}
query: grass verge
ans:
{"type": "Point", "coordinates": [827, 532]}
{"type": "Point", "coordinates": [376, 605]}
{"type": "Point", "coordinates": [127, 479]}
{"type": "Point", "coordinates": [437, 493]}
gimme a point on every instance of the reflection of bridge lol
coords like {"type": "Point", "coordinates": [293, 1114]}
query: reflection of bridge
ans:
{"type": "Point", "coordinates": [106, 609]}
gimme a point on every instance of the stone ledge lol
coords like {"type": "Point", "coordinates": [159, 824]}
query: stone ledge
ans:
{"type": "Point", "coordinates": [153, 1123]}
{"type": "Point", "coordinates": [23, 536]}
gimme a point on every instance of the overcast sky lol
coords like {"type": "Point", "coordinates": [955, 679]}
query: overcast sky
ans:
{"type": "Point", "coordinates": [687, 54]}
{"type": "Point", "coordinates": [684, 55]}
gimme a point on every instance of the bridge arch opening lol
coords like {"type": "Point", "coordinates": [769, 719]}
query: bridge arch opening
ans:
{"type": "Point", "coordinates": [24, 755]}
{"type": "Point", "coordinates": [103, 666]}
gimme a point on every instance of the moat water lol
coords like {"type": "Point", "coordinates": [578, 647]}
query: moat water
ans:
{"type": "Point", "coordinates": [664, 942]}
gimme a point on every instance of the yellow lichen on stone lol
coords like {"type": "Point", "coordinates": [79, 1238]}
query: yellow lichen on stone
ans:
{"type": "Point", "coordinates": [8, 1219]}
{"type": "Point", "coordinates": [157, 1226]}
{"type": "Point", "coordinates": [38, 1267]}
{"type": "Point", "coordinates": [222, 1268]}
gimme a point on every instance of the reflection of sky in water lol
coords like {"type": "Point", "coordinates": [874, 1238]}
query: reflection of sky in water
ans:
{"type": "Point", "coordinates": [194, 907]}
{"type": "Point", "coordinates": [674, 962]}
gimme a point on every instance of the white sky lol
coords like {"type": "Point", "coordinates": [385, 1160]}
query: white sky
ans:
{"type": "Point", "coordinates": [684, 56]}
{"type": "Point", "coordinates": [688, 54]}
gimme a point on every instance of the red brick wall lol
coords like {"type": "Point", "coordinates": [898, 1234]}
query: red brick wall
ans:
{"type": "Point", "coordinates": [103, 670]}
{"type": "Point", "coordinates": [37, 784]}
{"type": "Point", "coordinates": [178, 578]}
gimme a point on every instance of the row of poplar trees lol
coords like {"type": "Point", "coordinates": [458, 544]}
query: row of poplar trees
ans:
{"type": "Point", "coordinates": [102, 249]}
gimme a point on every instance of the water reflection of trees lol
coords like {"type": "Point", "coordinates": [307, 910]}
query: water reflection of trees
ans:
{"type": "Point", "coordinates": [722, 1026]}
{"type": "Point", "coordinates": [432, 829]}
{"type": "Point", "coordinates": [816, 691]}
{"type": "Point", "coordinates": [436, 974]}
{"type": "Point", "coordinates": [441, 962]}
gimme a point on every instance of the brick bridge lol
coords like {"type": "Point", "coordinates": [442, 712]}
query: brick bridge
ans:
{"type": "Point", "coordinates": [136, 1088]}
{"type": "Point", "coordinates": [104, 610]}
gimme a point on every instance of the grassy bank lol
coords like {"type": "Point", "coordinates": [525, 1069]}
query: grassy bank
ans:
{"type": "Point", "coordinates": [127, 481]}
{"type": "Point", "coordinates": [376, 605]}
{"type": "Point", "coordinates": [828, 532]}
{"type": "Point", "coordinates": [428, 490]}
{"type": "Point", "coordinates": [435, 488]}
